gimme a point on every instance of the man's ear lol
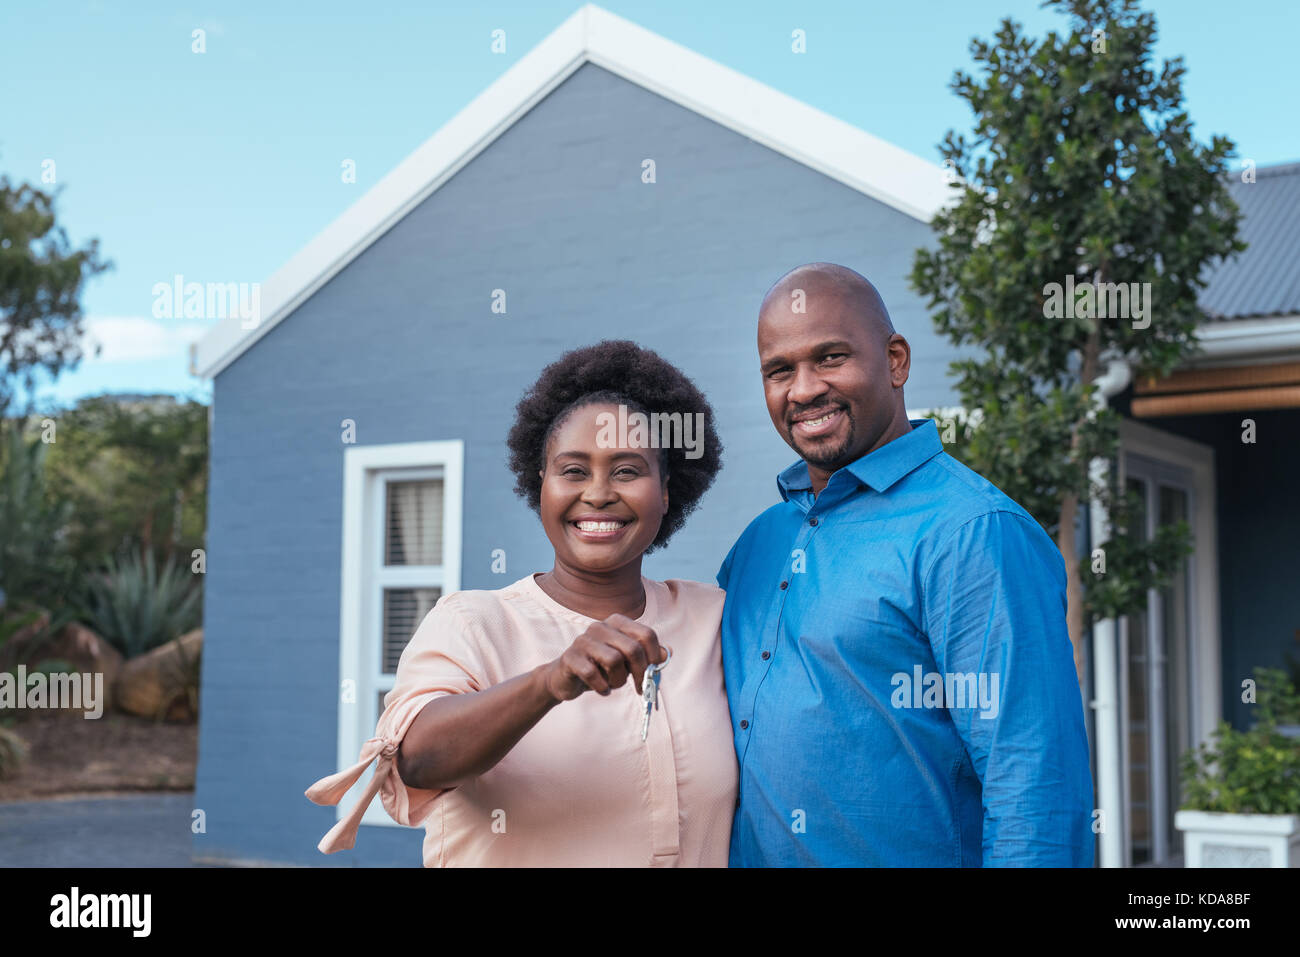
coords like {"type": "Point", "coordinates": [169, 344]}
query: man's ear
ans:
{"type": "Point", "coordinates": [900, 360]}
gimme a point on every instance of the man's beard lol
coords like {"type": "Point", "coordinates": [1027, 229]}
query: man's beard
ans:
{"type": "Point", "coordinates": [827, 459]}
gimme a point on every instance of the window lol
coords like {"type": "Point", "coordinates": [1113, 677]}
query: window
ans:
{"type": "Point", "coordinates": [401, 553]}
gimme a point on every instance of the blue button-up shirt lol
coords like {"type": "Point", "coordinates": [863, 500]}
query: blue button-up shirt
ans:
{"type": "Point", "coordinates": [900, 674]}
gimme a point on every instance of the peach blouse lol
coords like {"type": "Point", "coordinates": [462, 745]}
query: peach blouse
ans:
{"type": "Point", "coordinates": [580, 788]}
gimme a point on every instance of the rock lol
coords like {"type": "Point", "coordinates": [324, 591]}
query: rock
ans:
{"type": "Point", "coordinates": [154, 685]}
{"type": "Point", "coordinates": [76, 645]}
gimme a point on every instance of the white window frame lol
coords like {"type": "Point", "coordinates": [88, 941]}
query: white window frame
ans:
{"type": "Point", "coordinates": [366, 470]}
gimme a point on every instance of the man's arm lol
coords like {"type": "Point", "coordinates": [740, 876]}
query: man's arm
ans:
{"type": "Point", "coordinates": [994, 606]}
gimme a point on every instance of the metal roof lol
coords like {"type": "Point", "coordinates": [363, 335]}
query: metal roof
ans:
{"type": "Point", "coordinates": [1265, 279]}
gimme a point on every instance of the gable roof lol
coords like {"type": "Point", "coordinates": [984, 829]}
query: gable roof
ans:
{"type": "Point", "coordinates": [591, 35]}
{"type": "Point", "coordinates": [1263, 280]}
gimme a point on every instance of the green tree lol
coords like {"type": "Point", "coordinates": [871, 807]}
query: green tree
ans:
{"type": "Point", "coordinates": [136, 470]}
{"type": "Point", "coordinates": [1082, 167]}
{"type": "Point", "coordinates": [41, 278]}
{"type": "Point", "coordinates": [36, 568]}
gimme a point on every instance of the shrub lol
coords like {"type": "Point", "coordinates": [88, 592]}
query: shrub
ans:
{"type": "Point", "coordinates": [136, 607]}
{"type": "Point", "coordinates": [1276, 696]}
{"type": "Point", "coordinates": [1244, 772]}
{"type": "Point", "coordinates": [35, 565]}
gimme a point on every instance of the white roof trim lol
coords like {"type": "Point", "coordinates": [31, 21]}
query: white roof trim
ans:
{"type": "Point", "coordinates": [1248, 341]}
{"type": "Point", "coordinates": [803, 133]}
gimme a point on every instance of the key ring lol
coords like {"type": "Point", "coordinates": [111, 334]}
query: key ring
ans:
{"type": "Point", "coordinates": [660, 666]}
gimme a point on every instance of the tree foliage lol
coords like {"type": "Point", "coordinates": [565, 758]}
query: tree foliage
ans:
{"type": "Point", "coordinates": [136, 470]}
{"type": "Point", "coordinates": [1081, 167]}
{"type": "Point", "coordinates": [41, 279]}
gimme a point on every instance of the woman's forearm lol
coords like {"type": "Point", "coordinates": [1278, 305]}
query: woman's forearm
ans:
{"type": "Point", "coordinates": [459, 736]}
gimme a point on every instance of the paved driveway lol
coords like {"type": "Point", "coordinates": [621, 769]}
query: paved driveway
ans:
{"type": "Point", "coordinates": [145, 830]}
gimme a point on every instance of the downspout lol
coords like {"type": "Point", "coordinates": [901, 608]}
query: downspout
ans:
{"type": "Point", "coordinates": [1105, 666]}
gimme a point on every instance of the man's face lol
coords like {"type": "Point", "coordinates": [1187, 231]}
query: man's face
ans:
{"type": "Point", "coordinates": [830, 378]}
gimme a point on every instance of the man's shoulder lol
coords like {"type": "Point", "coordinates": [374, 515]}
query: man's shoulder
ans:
{"type": "Point", "coordinates": [971, 509]}
{"type": "Point", "coordinates": [966, 495]}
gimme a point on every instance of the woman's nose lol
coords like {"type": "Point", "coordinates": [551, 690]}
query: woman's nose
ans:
{"type": "Point", "coordinates": [599, 492]}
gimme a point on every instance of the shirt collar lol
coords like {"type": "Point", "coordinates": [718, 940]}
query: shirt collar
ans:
{"type": "Point", "coordinates": [879, 469]}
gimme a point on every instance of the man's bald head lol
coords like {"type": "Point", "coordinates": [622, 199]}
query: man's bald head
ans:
{"type": "Point", "coordinates": [851, 289]}
{"type": "Point", "coordinates": [833, 367]}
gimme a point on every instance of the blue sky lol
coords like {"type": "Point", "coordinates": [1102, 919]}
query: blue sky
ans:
{"type": "Point", "coordinates": [220, 166]}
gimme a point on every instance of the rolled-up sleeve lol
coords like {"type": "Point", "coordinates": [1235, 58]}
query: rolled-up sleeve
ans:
{"type": "Point", "coordinates": [443, 657]}
{"type": "Point", "coordinates": [995, 607]}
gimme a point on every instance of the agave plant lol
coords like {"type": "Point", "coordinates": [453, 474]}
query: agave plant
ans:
{"type": "Point", "coordinates": [135, 606]}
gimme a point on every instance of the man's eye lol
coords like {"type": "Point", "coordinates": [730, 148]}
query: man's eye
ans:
{"type": "Point", "coordinates": [776, 372]}
{"type": "Point", "coordinates": [834, 355]}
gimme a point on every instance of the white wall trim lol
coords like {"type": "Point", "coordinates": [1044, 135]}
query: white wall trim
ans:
{"type": "Point", "coordinates": [359, 462]}
{"type": "Point", "coordinates": [837, 149]}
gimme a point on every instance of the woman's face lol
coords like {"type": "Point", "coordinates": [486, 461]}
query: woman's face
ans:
{"type": "Point", "coordinates": [601, 507]}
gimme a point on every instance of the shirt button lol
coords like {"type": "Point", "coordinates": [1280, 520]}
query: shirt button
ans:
{"type": "Point", "coordinates": [812, 521]}
{"type": "Point", "coordinates": [784, 585]}
{"type": "Point", "coordinates": [744, 725]}
{"type": "Point", "coordinates": [766, 655]}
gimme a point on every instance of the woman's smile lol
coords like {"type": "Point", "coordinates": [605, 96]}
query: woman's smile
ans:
{"type": "Point", "coordinates": [600, 528]}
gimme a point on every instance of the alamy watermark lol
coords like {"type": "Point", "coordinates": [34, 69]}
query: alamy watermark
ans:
{"type": "Point", "coordinates": [179, 299]}
{"type": "Point", "coordinates": [948, 690]}
{"type": "Point", "coordinates": [659, 430]}
{"type": "Point", "coordinates": [72, 690]}
{"type": "Point", "coordinates": [1101, 300]}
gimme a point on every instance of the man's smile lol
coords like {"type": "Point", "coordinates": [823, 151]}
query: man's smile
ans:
{"type": "Point", "coordinates": [817, 423]}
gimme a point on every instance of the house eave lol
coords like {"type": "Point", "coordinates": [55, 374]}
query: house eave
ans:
{"type": "Point", "coordinates": [819, 141]}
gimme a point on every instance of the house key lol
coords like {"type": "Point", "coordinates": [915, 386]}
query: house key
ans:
{"type": "Point", "coordinates": [650, 691]}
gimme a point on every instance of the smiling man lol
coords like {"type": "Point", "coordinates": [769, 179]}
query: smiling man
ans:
{"type": "Point", "coordinates": [900, 677]}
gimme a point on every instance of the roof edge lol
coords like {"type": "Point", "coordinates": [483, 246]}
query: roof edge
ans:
{"type": "Point", "coordinates": [1247, 341]}
{"type": "Point", "coordinates": [880, 170]}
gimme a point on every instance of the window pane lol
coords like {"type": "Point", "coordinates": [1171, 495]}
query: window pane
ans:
{"type": "Point", "coordinates": [413, 523]}
{"type": "Point", "coordinates": [404, 609]}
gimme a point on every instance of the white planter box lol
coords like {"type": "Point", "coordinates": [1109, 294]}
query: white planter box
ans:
{"type": "Point", "coordinates": [1239, 840]}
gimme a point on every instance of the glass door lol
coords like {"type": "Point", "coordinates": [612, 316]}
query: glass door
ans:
{"type": "Point", "coordinates": [1156, 668]}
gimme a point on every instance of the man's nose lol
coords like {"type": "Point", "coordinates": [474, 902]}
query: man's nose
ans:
{"type": "Point", "coordinates": [807, 386]}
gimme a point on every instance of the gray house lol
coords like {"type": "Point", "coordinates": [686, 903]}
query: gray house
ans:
{"type": "Point", "coordinates": [611, 184]}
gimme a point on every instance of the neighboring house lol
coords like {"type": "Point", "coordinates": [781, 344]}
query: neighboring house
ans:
{"type": "Point", "coordinates": [1217, 443]}
{"type": "Point", "coordinates": [358, 431]}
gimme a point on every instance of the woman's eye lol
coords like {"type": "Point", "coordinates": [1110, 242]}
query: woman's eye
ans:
{"type": "Point", "coordinates": [572, 471]}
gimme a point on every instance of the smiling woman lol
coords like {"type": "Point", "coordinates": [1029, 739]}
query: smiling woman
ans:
{"type": "Point", "coordinates": [489, 737]}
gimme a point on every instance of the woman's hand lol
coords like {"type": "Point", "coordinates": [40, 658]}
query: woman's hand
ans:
{"type": "Point", "coordinates": [603, 657]}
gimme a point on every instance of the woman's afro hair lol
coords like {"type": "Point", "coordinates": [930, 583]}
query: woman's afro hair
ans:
{"type": "Point", "coordinates": [615, 371]}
